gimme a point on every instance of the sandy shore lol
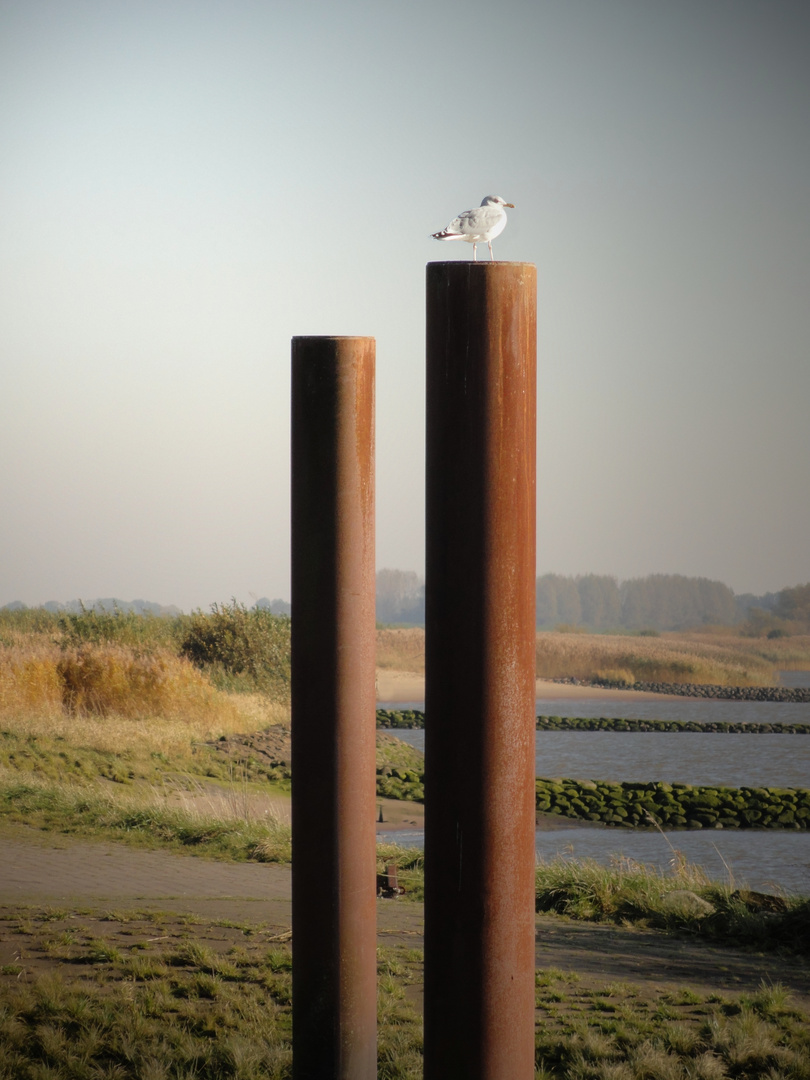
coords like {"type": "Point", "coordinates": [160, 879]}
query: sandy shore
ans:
{"type": "Point", "coordinates": [400, 685]}
{"type": "Point", "coordinates": [395, 686]}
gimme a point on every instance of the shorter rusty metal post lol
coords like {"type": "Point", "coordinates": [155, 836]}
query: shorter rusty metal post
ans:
{"type": "Point", "coordinates": [333, 709]}
{"type": "Point", "coordinates": [480, 663]}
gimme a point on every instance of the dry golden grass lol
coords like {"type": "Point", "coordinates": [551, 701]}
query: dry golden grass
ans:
{"type": "Point", "coordinates": [785, 654]}
{"type": "Point", "coordinates": [676, 658]}
{"type": "Point", "coordinates": [401, 650]}
{"type": "Point", "coordinates": [670, 658]}
{"type": "Point", "coordinates": [108, 697]}
{"type": "Point", "coordinates": [29, 679]}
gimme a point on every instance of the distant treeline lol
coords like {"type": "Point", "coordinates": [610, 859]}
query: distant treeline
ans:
{"type": "Point", "coordinates": [665, 602]}
{"type": "Point", "coordinates": [656, 602]}
{"type": "Point", "coordinates": [400, 597]}
{"type": "Point", "coordinates": [600, 602]}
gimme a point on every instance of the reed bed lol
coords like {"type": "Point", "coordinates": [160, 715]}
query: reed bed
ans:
{"type": "Point", "coordinates": [229, 828]}
{"type": "Point", "coordinates": [667, 659]}
{"type": "Point", "coordinates": [784, 654]}
{"type": "Point", "coordinates": [401, 650]}
{"type": "Point", "coordinates": [693, 658]}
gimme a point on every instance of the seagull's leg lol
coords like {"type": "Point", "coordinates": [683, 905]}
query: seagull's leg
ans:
{"type": "Point", "coordinates": [491, 256]}
{"type": "Point", "coordinates": [475, 252]}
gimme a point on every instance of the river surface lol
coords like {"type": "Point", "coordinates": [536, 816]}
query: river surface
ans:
{"type": "Point", "coordinates": [771, 860]}
{"type": "Point", "coordinates": [716, 760]}
{"type": "Point", "coordinates": [794, 678]}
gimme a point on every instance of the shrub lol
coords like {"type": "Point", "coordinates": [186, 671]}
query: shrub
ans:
{"type": "Point", "coordinates": [241, 649]}
{"type": "Point", "coordinates": [116, 627]}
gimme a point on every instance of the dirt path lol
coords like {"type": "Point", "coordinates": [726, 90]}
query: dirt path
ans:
{"type": "Point", "coordinates": [39, 870]}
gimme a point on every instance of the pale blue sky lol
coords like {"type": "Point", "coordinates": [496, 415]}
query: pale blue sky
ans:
{"type": "Point", "coordinates": [184, 186]}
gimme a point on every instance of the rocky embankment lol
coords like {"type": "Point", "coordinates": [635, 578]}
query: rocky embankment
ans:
{"type": "Point", "coordinates": [797, 694]}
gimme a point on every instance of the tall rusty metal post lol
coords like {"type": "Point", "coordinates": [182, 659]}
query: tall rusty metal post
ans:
{"type": "Point", "coordinates": [480, 671]}
{"type": "Point", "coordinates": [333, 709]}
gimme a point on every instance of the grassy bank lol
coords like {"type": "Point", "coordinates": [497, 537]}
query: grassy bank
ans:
{"type": "Point", "coordinates": [148, 819]}
{"type": "Point", "coordinates": [681, 900]}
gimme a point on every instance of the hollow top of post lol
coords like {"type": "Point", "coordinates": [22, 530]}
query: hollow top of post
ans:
{"type": "Point", "coordinates": [483, 274]}
{"type": "Point", "coordinates": [465, 276]}
{"type": "Point", "coordinates": [331, 337]}
{"type": "Point", "coordinates": [485, 266]}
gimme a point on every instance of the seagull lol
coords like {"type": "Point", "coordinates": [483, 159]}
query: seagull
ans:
{"type": "Point", "coordinates": [485, 222]}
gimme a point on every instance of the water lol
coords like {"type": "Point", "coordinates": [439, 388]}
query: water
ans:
{"type": "Point", "coordinates": [794, 678]}
{"type": "Point", "coordinates": [768, 860]}
{"type": "Point", "coordinates": [716, 760]}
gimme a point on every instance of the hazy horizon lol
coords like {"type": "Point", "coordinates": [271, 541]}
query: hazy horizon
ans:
{"type": "Point", "coordinates": [185, 186]}
{"type": "Point", "coordinates": [253, 599]}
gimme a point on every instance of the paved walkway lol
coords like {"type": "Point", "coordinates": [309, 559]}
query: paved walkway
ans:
{"type": "Point", "coordinates": [39, 869]}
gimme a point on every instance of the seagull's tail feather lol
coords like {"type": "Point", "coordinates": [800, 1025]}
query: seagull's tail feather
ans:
{"type": "Point", "coordinates": [445, 235]}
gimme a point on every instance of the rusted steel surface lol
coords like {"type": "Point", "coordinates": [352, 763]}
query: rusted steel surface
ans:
{"type": "Point", "coordinates": [480, 664]}
{"type": "Point", "coordinates": [333, 709]}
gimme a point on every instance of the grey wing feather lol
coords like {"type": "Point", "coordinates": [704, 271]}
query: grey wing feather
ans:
{"type": "Point", "coordinates": [475, 221]}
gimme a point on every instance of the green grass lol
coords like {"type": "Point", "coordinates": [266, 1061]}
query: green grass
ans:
{"type": "Point", "coordinates": [186, 1009]}
{"type": "Point", "coordinates": [152, 995]}
{"type": "Point", "coordinates": [629, 1033]}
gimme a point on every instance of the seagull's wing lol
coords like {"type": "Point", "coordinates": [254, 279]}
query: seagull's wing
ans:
{"type": "Point", "coordinates": [476, 222]}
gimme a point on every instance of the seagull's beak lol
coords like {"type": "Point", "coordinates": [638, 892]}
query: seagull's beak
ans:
{"type": "Point", "coordinates": [511, 204]}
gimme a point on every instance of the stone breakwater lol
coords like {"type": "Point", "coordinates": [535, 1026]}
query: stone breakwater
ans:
{"type": "Point", "coordinates": [612, 723]}
{"type": "Point", "coordinates": [400, 718]}
{"type": "Point", "coordinates": [674, 806]}
{"type": "Point", "coordinates": [392, 719]}
{"type": "Point", "coordinates": [792, 694]}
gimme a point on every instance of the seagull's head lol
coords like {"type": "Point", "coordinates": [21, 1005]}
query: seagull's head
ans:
{"type": "Point", "coordinates": [496, 200]}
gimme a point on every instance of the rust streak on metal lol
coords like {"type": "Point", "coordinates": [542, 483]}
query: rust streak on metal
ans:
{"type": "Point", "coordinates": [333, 709]}
{"type": "Point", "coordinates": [479, 740]}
